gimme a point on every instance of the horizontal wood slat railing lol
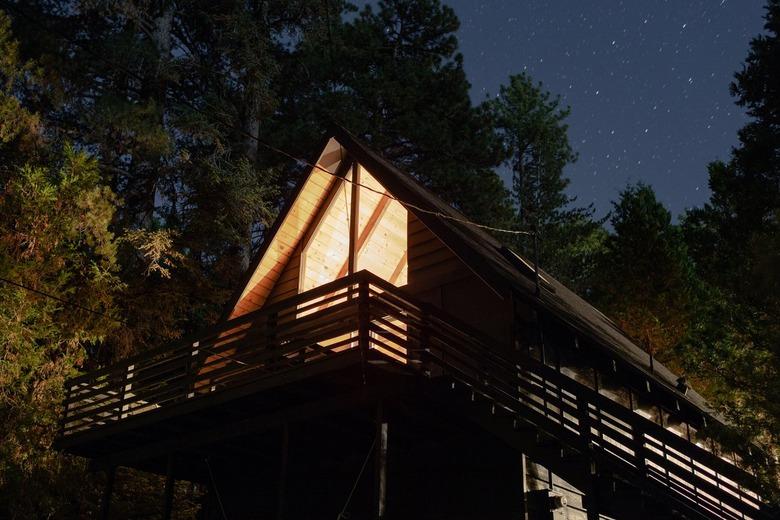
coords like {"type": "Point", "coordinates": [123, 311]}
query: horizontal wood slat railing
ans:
{"type": "Point", "coordinates": [363, 311]}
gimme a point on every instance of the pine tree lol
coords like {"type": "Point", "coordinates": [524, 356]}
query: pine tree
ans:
{"type": "Point", "coordinates": [393, 76]}
{"type": "Point", "coordinates": [645, 279]}
{"type": "Point", "coordinates": [532, 130]}
{"type": "Point", "coordinates": [169, 99]}
{"type": "Point", "coordinates": [54, 238]}
{"type": "Point", "coordinates": [746, 190]}
{"type": "Point", "coordinates": [733, 240]}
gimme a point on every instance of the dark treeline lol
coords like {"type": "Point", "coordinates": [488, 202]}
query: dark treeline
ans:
{"type": "Point", "coordinates": [131, 183]}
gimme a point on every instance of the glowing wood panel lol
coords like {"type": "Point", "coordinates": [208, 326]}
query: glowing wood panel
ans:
{"type": "Point", "coordinates": [328, 247]}
{"type": "Point", "coordinates": [295, 224]}
{"type": "Point", "coordinates": [381, 245]}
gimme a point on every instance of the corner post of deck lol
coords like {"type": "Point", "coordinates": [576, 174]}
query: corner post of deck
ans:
{"type": "Point", "coordinates": [363, 319]}
{"type": "Point", "coordinates": [424, 349]}
{"type": "Point", "coordinates": [108, 489]}
{"type": "Point", "coordinates": [62, 420]}
{"type": "Point", "coordinates": [380, 465]}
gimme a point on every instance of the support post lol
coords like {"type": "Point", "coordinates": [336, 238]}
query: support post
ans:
{"type": "Point", "coordinates": [380, 474]}
{"type": "Point", "coordinates": [353, 219]}
{"type": "Point", "coordinates": [593, 492]}
{"type": "Point", "coordinates": [363, 319]}
{"type": "Point", "coordinates": [170, 485]}
{"type": "Point", "coordinates": [280, 503]}
{"type": "Point", "coordinates": [523, 487]}
{"type": "Point", "coordinates": [105, 500]}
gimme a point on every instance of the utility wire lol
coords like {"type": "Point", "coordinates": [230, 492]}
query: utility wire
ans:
{"type": "Point", "coordinates": [216, 491]}
{"type": "Point", "coordinates": [343, 515]}
{"type": "Point", "coordinates": [61, 300]}
{"type": "Point", "coordinates": [104, 315]}
{"type": "Point", "coordinates": [266, 145]}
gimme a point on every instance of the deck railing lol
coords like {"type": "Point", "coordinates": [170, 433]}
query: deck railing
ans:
{"type": "Point", "coordinates": [366, 313]}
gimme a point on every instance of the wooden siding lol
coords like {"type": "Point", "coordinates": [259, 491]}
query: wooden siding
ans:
{"type": "Point", "coordinates": [383, 223]}
{"type": "Point", "coordinates": [431, 263]}
{"type": "Point", "coordinates": [433, 271]}
{"type": "Point", "coordinates": [438, 276]}
{"type": "Point", "coordinates": [285, 241]}
{"type": "Point", "coordinates": [287, 284]}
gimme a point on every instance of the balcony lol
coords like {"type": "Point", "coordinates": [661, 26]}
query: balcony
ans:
{"type": "Point", "coordinates": [361, 321]}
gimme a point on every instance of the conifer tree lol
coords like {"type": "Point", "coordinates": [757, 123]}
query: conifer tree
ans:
{"type": "Point", "coordinates": [533, 133]}
{"type": "Point", "coordinates": [393, 76]}
{"type": "Point", "coordinates": [733, 240]}
{"type": "Point", "coordinates": [645, 279]}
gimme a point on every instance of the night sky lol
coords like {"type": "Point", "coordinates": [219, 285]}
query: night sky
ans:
{"type": "Point", "coordinates": [647, 81]}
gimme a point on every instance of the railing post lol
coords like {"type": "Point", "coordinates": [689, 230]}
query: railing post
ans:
{"type": "Point", "coordinates": [584, 420]}
{"type": "Point", "coordinates": [425, 343]}
{"type": "Point", "coordinates": [639, 447]}
{"type": "Point", "coordinates": [63, 419]}
{"type": "Point", "coordinates": [191, 364]}
{"type": "Point", "coordinates": [270, 330]}
{"type": "Point", "coordinates": [126, 390]}
{"type": "Point", "coordinates": [363, 321]}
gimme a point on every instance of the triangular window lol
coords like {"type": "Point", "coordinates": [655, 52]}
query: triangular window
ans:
{"type": "Point", "coordinates": [378, 241]}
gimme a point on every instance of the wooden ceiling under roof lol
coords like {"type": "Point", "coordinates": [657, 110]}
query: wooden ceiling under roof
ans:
{"type": "Point", "coordinates": [316, 226]}
{"type": "Point", "coordinates": [289, 230]}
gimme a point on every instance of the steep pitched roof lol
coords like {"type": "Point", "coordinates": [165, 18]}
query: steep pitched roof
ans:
{"type": "Point", "coordinates": [503, 269]}
{"type": "Point", "coordinates": [500, 268]}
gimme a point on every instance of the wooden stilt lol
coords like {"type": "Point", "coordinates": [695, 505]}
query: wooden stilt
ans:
{"type": "Point", "coordinates": [105, 502]}
{"type": "Point", "coordinates": [170, 484]}
{"type": "Point", "coordinates": [380, 478]}
{"type": "Point", "coordinates": [593, 493]}
{"type": "Point", "coordinates": [283, 472]}
{"type": "Point", "coordinates": [523, 486]}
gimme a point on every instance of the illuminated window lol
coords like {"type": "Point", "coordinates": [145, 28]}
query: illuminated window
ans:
{"type": "Point", "coordinates": [328, 248]}
{"type": "Point", "coordinates": [380, 242]}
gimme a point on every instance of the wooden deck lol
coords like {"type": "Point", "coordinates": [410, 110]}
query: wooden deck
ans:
{"type": "Point", "coordinates": [360, 321]}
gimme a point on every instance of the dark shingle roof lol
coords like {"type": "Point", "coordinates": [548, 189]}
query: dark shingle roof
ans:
{"type": "Point", "coordinates": [504, 270]}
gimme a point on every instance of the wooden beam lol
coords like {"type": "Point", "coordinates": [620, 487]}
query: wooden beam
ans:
{"type": "Point", "coordinates": [399, 268]}
{"type": "Point", "coordinates": [105, 500]}
{"type": "Point", "coordinates": [353, 218]}
{"type": "Point", "coordinates": [170, 487]}
{"type": "Point", "coordinates": [365, 234]}
{"type": "Point", "coordinates": [254, 424]}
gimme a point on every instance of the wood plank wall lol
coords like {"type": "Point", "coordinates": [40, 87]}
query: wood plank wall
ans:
{"type": "Point", "coordinates": [431, 263]}
{"type": "Point", "coordinates": [287, 284]}
{"type": "Point", "coordinates": [438, 276]}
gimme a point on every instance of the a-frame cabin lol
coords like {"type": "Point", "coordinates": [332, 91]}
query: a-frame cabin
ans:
{"type": "Point", "coordinates": [386, 359]}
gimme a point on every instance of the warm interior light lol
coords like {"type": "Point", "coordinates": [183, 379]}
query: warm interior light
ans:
{"type": "Point", "coordinates": [383, 228]}
{"type": "Point", "coordinates": [380, 246]}
{"type": "Point", "coordinates": [380, 242]}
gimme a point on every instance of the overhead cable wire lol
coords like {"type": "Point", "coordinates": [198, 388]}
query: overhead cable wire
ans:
{"type": "Point", "coordinates": [107, 316]}
{"type": "Point", "coordinates": [266, 145]}
{"type": "Point", "coordinates": [216, 491]}
{"type": "Point", "coordinates": [62, 300]}
{"type": "Point", "coordinates": [343, 514]}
